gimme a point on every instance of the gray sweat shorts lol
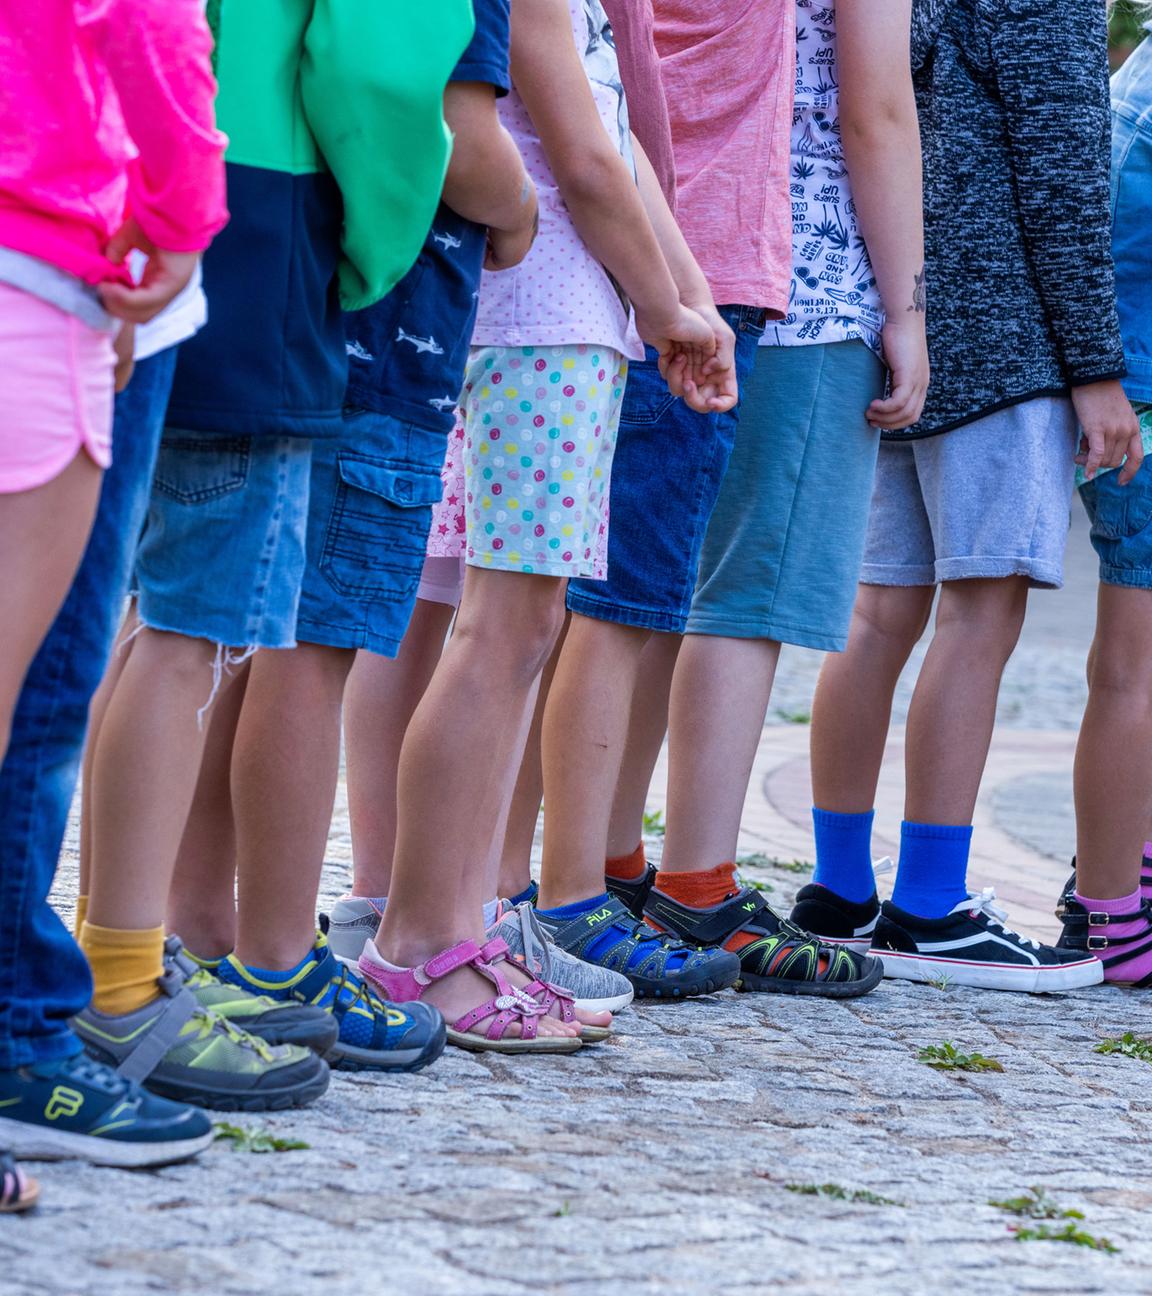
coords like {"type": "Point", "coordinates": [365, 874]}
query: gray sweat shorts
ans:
{"type": "Point", "coordinates": [989, 499]}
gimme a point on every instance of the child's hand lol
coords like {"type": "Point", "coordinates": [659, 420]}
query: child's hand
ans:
{"type": "Point", "coordinates": [906, 353]}
{"type": "Point", "coordinates": [507, 248]}
{"type": "Point", "coordinates": [165, 276]}
{"type": "Point", "coordinates": [711, 388]}
{"type": "Point", "coordinates": [1109, 430]}
{"type": "Point", "coordinates": [681, 331]}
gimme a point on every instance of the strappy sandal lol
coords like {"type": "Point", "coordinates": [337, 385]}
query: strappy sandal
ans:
{"type": "Point", "coordinates": [17, 1191]}
{"type": "Point", "coordinates": [545, 993]}
{"type": "Point", "coordinates": [507, 1007]}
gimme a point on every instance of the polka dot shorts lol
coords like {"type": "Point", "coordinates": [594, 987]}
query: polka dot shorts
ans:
{"type": "Point", "coordinates": [539, 431]}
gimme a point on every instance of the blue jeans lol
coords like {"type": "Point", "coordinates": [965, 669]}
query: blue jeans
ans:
{"type": "Point", "coordinates": [44, 978]}
{"type": "Point", "coordinates": [666, 475]}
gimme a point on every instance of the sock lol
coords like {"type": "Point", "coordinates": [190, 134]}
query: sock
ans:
{"type": "Point", "coordinates": [81, 914]}
{"type": "Point", "coordinates": [527, 896]}
{"type": "Point", "coordinates": [1129, 943]}
{"type": "Point", "coordinates": [209, 964]}
{"type": "Point", "coordinates": [491, 908]}
{"type": "Point", "coordinates": [844, 853]}
{"type": "Point", "coordinates": [933, 872]}
{"type": "Point", "coordinates": [267, 974]}
{"type": "Point", "coordinates": [702, 891]}
{"type": "Point", "coordinates": [1146, 872]}
{"type": "Point", "coordinates": [125, 966]}
{"type": "Point", "coordinates": [379, 903]}
{"type": "Point", "coordinates": [562, 912]}
{"type": "Point", "coordinates": [627, 868]}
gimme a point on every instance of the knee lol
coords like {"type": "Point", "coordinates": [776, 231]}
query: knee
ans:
{"type": "Point", "coordinates": [522, 641]}
{"type": "Point", "coordinates": [988, 614]}
{"type": "Point", "coordinates": [1120, 672]}
{"type": "Point", "coordinates": [891, 620]}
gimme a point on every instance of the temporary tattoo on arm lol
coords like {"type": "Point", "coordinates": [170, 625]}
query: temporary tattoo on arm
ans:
{"type": "Point", "coordinates": [919, 294]}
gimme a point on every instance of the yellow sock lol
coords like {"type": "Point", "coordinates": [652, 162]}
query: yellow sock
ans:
{"type": "Point", "coordinates": [81, 914]}
{"type": "Point", "coordinates": [125, 966]}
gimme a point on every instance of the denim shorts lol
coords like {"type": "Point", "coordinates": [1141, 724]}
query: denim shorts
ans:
{"type": "Point", "coordinates": [988, 500]}
{"type": "Point", "coordinates": [666, 475]}
{"type": "Point", "coordinates": [782, 555]}
{"type": "Point", "coordinates": [371, 505]}
{"type": "Point", "coordinates": [1121, 518]}
{"type": "Point", "coordinates": [221, 556]}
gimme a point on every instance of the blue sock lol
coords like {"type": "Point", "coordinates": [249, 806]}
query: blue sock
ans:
{"type": "Point", "coordinates": [844, 853]}
{"type": "Point", "coordinates": [575, 910]}
{"type": "Point", "coordinates": [933, 873]}
{"type": "Point", "coordinates": [530, 892]}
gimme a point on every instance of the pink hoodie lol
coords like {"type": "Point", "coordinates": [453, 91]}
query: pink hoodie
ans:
{"type": "Point", "coordinates": [106, 109]}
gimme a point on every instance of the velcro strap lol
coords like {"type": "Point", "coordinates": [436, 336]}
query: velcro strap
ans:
{"type": "Point", "coordinates": [458, 956]}
{"type": "Point", "coordinates": [150, 1052]}
{"type": "Point", "coordinates": [712, 928]}
{"type": "Point", "coordinates": [494, 950]}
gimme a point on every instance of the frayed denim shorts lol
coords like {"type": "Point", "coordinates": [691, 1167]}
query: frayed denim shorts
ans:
{"type": "Point", "coordinates": [1121, 518]}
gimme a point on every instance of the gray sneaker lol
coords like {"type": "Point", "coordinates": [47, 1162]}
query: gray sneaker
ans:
{"type": "Point", "coordinates": [351, 924]}
{"type": "Point", "coordinates": [177, 1049]}
{"type": "Point", "coordinates": [595, 989]}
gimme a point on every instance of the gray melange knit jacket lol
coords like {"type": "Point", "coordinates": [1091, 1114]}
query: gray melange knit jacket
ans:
{"type": "Point", "coordinates": [1015, 115]}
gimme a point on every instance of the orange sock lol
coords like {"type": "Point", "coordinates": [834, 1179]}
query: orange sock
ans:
{"type": "Point", "coordinates": [702, 890]}
{"type": "Point", "coordinates": [627, 868]}
{"type": "Point", "coordinates": [81, 914]}
{"type": "Point", "coordinates": [125, 966]}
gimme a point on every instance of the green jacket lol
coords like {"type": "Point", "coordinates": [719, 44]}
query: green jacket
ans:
{"type": "Point", "coordinates": [336, 161]}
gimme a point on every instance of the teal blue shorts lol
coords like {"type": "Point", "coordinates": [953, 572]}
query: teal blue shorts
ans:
{"type": "Point", "coordinates": [782, 554]}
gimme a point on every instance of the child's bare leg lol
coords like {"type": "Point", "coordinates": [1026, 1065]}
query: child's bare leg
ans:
{"type": "Point", "coordinates": [720, 695]}
{"type": "Point", "coordinates": [584, 733]}
{"type": "Point", "coordinates": [381, 697]}
{"type": "Point", "coordinates": [42, 536]}
{"type": "Point", "coordinates": [96, 712]}
{"type": "Point", "coordinates": [144, 770]}
{"type": "Point", "coordinates": [202, 900]}
{"type": "Point", "coordinates": [1113, 776]}
{"type": "Point", "coordinates": [647, 725]}
{"type": "Point", "coordinates": [457, 753]}
{"type": "Point", "coordinates": [285, 766]}
{"type": "Point", "coordinates": [852, 708]}
{"type": "Point", "coordinates": [953, 709]}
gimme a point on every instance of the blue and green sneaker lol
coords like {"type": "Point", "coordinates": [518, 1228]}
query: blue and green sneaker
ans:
{"type": "Point", "coordinates": [78, 1107]}
{"type": "Point", "coordinates": [374, 1035]}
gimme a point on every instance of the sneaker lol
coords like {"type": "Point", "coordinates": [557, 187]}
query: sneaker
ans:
{"type": "Point", "coordinates": [779, 957]}
{"type": "Point", "coordinates": [78, 1107]}
{"type": "Point", "coordinates": [276, 1021]}
{"type": "Point", "coordinates": [352, 922]}
{"type": "Point", "coordinates": [972, 946]}
{"type": "Point", "coordinates": [835, 920]}
{"type": "Point", "coordinates": [594, 988]}
{"type": "Point", "coordinates": [659, 966]}
{"type": "Point", "coordinates": [373, 1035]}
{"type": "Point", "coordinates": [633, 894]}
{"type": "Point", "coordinates": [179, 1051]}
{"type": "Point", "coordinates": [1122, 942]}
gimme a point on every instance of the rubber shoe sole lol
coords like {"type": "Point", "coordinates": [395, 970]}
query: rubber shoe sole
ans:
{"type": "Point", "coordinates": [1046, 979]}
{"type": "Point", "coordinates": [719, 974]}
{"type": "Point", "coordinates": [346, 1057]}
{"type": "Point", "coordinates": [612, 1004]}
{"type": "Point", "coordinates": [299, 1093]}
{"type": "Point", "coordinates": [750, 981]}
{"type": "Point", "coordinates": [30, 1142]}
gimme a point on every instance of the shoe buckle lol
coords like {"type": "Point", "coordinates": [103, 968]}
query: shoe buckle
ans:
{"type": "Point", "coordinates": [1098, 942]}
{"type": "Point", "coordinates": [171, 981]}
{"type": "Point", "coordinates": [1098, 919]}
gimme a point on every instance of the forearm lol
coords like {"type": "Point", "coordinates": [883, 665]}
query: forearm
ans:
{"type": "Point", "coordinates": [486, 180]}
{"type": "Point", "coordinates": [686, 272]}
{"type": "Point", "coordinates": [610, 217]}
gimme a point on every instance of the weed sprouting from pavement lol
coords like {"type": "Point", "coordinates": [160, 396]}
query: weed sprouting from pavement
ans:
{"type": "Point", "coordinates": [837, 1192]}
{"type": "Point", "coordinates": [1128, 1045]}
{"type": "Point", "coordinates": [240, 1139]}
{"type": "Point", "coordinates": [947, 1057]}
{"type": "Point", "coordinates": [1037, 1206]}
{"type": "Point", "coordinates": [654, 823]}
{"type": "Point", "coordinates": [794, 717]}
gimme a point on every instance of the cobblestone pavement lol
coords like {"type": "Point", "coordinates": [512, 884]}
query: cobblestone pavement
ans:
{"type": "Point", "coordinates": [662, 1161]}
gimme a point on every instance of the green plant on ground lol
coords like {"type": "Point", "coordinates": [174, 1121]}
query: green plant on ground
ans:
{"type": "Point", "coordinates": [942, 981]}
{"type": "Point", "coordinates": [1036, 1204]}
{"type": "Point", "coordinates": [759, 860]}
{"type": "Point", "coordinates": [654, 823]}
{"type": "Point", "coordinates": [794, 717]}
{"type": "Point", "coordinates": [1128, 1045]}
{"type": "Point", "coordinates": [757, 884]}
{"type": "Point", "coordinates": [947, 1057]}
{"type": "Point", "coordinates": [837, 1192]}
{"type": "Point", "coordinates": [1070, 1232]}
{"type": "Point", "coordinates": [240, 1139]}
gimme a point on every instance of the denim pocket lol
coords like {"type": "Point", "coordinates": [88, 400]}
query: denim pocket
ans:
{"type": "Point", "coordinates": [1118, 512]}
{"type": "Point", "coordinates": [197, 469]}
{"type": "Point", "coordinates": [646, 397]}
{"type": "Point", "coordinates": [377, 534]}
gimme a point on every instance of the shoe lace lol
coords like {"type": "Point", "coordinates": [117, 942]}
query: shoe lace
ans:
{"type": "Point", "coordinates": [984, 902]}
{"type": "Point", "coordinates": [537, 947]}
{"type": "Point", "coordinates": [205, 1022]}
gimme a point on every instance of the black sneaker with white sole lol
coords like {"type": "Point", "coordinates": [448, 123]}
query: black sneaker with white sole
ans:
{"type": "Point", "coordinates": [973, 946]}
{"type": "Point", "coordinates": [836, 921]}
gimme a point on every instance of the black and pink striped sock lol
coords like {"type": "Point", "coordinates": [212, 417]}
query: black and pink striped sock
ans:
{"type": "Point", "coordinates": [1127, 957]}
{"type": "Point", "coordinates": [1146, 872]}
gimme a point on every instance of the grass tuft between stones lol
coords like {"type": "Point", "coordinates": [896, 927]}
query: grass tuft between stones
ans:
{"type": "Point", "coordinates": [1128, 1045]}
{"type": "Point", "coordinates": [654, 825]}
{"type": "Point", "coordinates": [1037, 1206]}
{"type": "Point", "coordinates": [837, 1192]}
{"type": "Point", "coordinates": [947, 1057]}
{"type": "Point", "coordinates": [240, 1139]}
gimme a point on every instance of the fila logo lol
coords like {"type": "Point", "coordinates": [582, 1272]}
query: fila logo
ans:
{"type": "Point", "coordinates": [63, 1102]}
{"type": "Point", "coordinates": [598, 917]}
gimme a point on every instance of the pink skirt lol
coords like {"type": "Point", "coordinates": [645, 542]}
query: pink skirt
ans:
{"type": "Point", "coordinates": [56, 391]}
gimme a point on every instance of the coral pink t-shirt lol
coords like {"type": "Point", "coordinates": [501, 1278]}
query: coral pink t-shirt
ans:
{"type": "Point", "coordinates": [728, 69]}
{"type": "Point", "coordinates": [560, 293]}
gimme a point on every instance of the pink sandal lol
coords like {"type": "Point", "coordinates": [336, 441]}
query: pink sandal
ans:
{"type": "Point", "coordinates": [508, 1006]}
{"type": "Point", "coordinates": [545, 993]}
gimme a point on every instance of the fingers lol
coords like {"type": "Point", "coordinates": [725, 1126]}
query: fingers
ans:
{"type": "Point", "coordinates": [1135, 459]}
{"type": "Point", "coordinates": [900, 409]}
{"type": "Point", "coordinates": [1095, 455]}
